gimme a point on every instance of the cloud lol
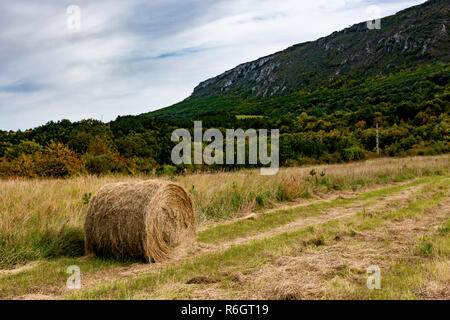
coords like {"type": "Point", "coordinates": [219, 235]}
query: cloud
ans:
{"type": "Point", "coordinates": [136, 56]}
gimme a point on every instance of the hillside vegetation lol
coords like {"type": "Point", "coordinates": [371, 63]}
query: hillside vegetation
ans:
{"type": "Point", "coordinates": [335, 125]}
{"type": "Point", "coordinates": [337, 90]}
{"type": "Point", "coordinates": [411, 38]}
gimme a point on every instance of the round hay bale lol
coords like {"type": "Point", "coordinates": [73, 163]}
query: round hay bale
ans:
{"type": "Point", "coordinates": [139, 220]}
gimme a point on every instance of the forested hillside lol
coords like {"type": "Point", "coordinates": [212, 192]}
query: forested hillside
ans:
{"type": "Point", "coordinates": [337, 90]}
{"type": "Point", "coordinates": [411, 38]}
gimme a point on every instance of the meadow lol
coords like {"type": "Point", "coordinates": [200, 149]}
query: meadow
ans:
{"type": "Point", "coordinates": [250, 227]}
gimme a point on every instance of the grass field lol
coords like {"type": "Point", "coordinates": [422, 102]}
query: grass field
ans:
{"type": "Point", "coordinates": [306, 233]}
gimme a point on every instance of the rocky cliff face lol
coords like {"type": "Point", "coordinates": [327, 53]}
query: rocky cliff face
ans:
{"type": "Point", "coordinates": [411, 37]}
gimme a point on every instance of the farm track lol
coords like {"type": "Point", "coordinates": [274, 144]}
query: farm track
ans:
{"type": "Point", "coordinates": [301, 274]}
{"type": "Point", "coordinates": [323, 198]}
{"type": "Point", "coordinates": [100, 276]}
{"type": "Point", "coordinates": [335, 213]}
{"type": "Point", "coordinates": [26, 267]}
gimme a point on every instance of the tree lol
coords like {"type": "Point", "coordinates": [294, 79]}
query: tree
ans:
{"type": "Point", "coordinates": [23, 148]}
{"type": "Point", "coordinates": [58, 161]}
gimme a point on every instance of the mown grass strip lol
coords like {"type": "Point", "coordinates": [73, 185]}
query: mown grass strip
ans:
{"type": "Point", "coordinates": [256, 253]}
{"type": "Point", "coordinates": [275, 219]}
{"type": "Point", "coordinates": [49, 276]}
{"type": "Point", "coordinates": [424, 275]}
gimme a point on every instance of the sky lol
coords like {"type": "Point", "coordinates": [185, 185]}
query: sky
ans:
{"type": "Point", "coordinates": [135, 56]}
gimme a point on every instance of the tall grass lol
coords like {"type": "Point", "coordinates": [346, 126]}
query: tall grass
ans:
{"type": "Point", "coordinates": [44, 218]}
{"type": "Point", "coordinates": [223, 195]}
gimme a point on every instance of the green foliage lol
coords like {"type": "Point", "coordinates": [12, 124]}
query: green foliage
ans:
{"type": "Point", "coordinates": [55, 161]}
{"type": "Point", "coordinates": [260, 200]}
{"type": "Point", "coordinates": [168, 170]}
{"type": "Point", "coordinates": [353, 153]}
{"type": "Point", "coordinates": [425, 246]}
{"type": "Point", "coordinates": [320, 125]}
{"type": "Point", "coordinates": [87, 198]}
{"type": "Point", "coordinates": [23, 148]}
{"type": "Point", "coordinates": [105, 163]}
{"type": "Point", "coordinates": [68, 242]}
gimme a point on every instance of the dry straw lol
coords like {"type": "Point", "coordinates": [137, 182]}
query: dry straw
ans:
{"type": "Point", "coordinates": [145, 220]}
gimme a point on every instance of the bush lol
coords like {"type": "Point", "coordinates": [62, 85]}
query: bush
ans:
{"type": "Point", "coordinates": [106, 163]}
{"type": "Point", "coordinates": [169, 170]}
{"type": "Point", "coordinates": [145, 165]}
{"type": "Point", "coordinates": [23, 148]}
{"type": "Point", "coordinates": [57, 161]}
{"type": "Point", "coordinates": [98, 165]}
{"type": "Point", "coordinates": [353, 153]}
{"type": "Point", "coordinates": [22, 166]}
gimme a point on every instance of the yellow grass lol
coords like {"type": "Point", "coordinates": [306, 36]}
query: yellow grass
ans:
{"type": "Point", "coordinates": [45, 217]}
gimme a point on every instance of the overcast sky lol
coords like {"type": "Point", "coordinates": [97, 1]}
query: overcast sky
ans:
{"type": "Point", "coordinates": [135, 56]}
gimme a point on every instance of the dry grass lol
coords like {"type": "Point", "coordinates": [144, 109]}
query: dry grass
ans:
{"type": "Point", "coordinates": [307, 259]}
{"type": "Point", "coordinates": [222, 195]}
{"type": "Point", "coordinates": [44, 218]}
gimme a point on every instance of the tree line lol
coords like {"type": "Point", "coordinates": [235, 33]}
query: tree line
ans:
{"type": "Point", "coordinates": [325, 125]}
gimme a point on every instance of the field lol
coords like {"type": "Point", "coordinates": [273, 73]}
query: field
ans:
{"type": "Point", "coordinates": [306, 233]}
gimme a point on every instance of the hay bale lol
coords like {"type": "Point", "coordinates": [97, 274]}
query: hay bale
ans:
{"type": "Point", "coordinates": [139, 220]}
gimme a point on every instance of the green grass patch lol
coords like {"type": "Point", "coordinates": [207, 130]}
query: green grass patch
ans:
{"type": "Point", "coordinates": [49, 277]}
{"type": "Point", "coordinates": [275, 219]}
{"type": "Point", "coordinates": [65, 242]}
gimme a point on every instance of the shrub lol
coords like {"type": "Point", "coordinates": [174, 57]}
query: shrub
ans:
{"type": "Point", "coordinates": [23, 148]}
{"type": "Point", "coordinates": [22, 166]}
{"type": "Point", "coordinates": [145, 165]}
{"type": "Point", "coordinates": [98, 165]}
{"type": "Point", "coordinates": [106, 163]}
{"type": "Point", "coordinates": [167, 170]}
{"type": "Point", "coordinates": [353, 153]}
{"type": "Point", "coordinates": [58, 161]}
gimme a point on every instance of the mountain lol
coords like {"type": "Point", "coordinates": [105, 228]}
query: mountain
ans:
{"type": "Point", "coordinates": [326, 97]}
{"type": "Point", "coordinates": [407, 41]}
